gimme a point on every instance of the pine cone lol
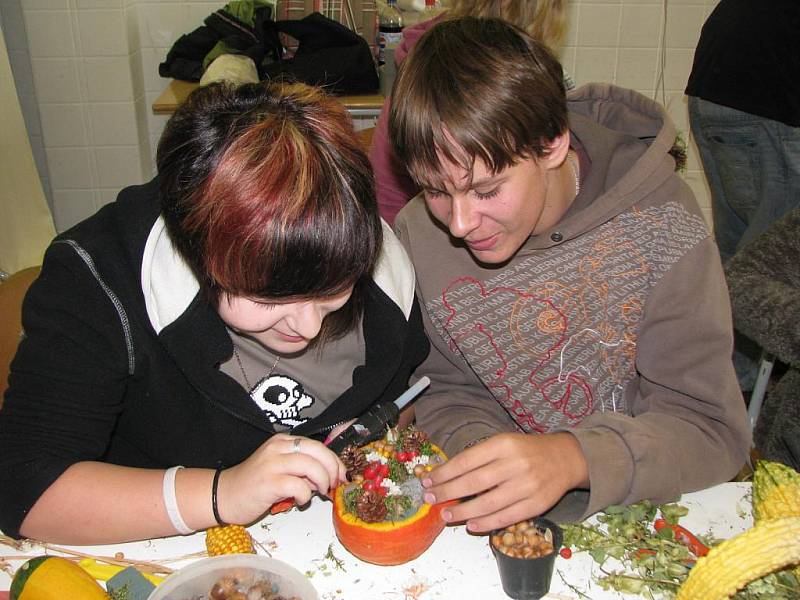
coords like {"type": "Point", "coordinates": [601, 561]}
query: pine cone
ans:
{"type": "Point", "coordinates": [413, 439]}
{"type": "Point", "coordinates": [354, 459]}
{"type": "Point", "coordinates": [370, 507]}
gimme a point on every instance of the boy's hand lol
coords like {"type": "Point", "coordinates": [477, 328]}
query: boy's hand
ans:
{"type": "Point", "coordinates": [512, 476]}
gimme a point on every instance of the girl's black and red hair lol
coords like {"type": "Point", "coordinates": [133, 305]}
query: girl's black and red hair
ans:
{"type": "Point", "coordinates": [267, 193]}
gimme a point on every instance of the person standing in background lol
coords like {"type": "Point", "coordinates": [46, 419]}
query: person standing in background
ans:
{"type": "Point", "coordinates": [545, 20]}
{"type": "Point", "coordinates": [744, 113]}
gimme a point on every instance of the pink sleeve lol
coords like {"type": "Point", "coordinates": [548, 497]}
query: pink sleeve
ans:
{"type": "Point", "coordinates": [393, 184]}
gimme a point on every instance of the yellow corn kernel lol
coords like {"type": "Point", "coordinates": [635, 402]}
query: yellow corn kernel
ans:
{"type": "Point", "coordinates": [230, 539]}
{"type": "Point", "coordinates": [728, 567]}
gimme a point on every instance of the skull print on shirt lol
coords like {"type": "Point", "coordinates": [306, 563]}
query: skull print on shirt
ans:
{"type": "Point", "coordinates": [281, 398]}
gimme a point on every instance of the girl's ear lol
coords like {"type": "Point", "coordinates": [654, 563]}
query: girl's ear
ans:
{"type": "Point", "coordinates": [556, 151]}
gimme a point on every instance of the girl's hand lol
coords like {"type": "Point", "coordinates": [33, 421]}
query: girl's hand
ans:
{"type": "Point", "coordinates": [284, 466]}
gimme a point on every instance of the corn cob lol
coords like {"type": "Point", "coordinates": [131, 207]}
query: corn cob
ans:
{"type": "Point", "coordinates": [230, 539]}
{"type": "Point", "coordinates": [776, 491]}
{"type": "Point", "coordinates": [765, 548]}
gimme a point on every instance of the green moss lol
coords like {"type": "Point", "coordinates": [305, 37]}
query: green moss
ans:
{"type": "Point", "coordinates": [397, 471]}
{"type": "Point", "coordinates": [351, 497]}
{"type": "Point", "coordinates": [397, 507]}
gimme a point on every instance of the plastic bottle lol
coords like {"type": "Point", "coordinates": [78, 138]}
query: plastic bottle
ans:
{"type": "Point", "coordinates": [390, 33]}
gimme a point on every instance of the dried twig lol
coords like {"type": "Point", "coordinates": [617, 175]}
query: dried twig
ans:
{"type": "Point", "coordinates": [572, 587]}
{"type": "Point", "coordinates": [140, 565]}
{"type": "Point", "coordinates": [413, 592]}
{"type": "Point", "coordinates": [119, 560]}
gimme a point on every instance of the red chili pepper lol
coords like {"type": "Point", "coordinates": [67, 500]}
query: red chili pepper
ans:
{"type": "Point", "coordinates": [565, 552]}
{"type": "Point", "coordinates": [684, 536]}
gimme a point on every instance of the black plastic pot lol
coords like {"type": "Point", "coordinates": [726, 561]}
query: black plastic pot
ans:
{"type": "Point", "coordinates": [528, 578]}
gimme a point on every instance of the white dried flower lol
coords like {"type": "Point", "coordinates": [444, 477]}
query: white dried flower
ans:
{"type": "Point", "coordinates": [392, 487]}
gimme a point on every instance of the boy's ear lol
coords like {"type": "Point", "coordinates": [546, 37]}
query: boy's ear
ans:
{"type": "Point", "coordinates": [556, 151]}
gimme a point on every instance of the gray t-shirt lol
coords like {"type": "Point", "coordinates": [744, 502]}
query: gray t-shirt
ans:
{"type": "Point", "coordinates": [290, 390]}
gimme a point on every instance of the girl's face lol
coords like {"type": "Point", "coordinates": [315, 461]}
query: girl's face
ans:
{"type": "Point", "coordinates": [282, 327]}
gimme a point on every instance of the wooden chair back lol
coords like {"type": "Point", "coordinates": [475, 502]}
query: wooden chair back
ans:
{"type": "Point", "coordinates": [12, 292]}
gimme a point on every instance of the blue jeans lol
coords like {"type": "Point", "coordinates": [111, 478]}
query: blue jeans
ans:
{"type": "Point", "coordinates": [752, 165]}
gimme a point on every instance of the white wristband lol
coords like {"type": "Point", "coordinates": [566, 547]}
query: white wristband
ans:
{"type": "Point", "coordinates": [171, 502]}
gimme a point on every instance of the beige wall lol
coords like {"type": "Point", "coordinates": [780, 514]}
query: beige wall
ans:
{"type": "Point", "coordinates": [95, 73]}
{"type": "Point", "coordinates": [619, 41]}
{"type": "Point", "coordinates": [26, 226]}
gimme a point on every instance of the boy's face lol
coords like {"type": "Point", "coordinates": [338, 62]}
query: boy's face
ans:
{"type": "Point", "coordinates": [495, 213]}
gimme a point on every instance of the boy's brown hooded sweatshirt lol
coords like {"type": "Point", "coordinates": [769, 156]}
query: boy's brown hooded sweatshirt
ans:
{"type": "Point", "coordinates": [614, 325]}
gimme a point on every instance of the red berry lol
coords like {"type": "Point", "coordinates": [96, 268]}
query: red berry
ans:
{"type": "Point", "coordinates": [369, 485]}
{"type": "Point", "coordinates": [371, 470]}
{"type": "Point", "coordinates": [565, 552]}
{"type": "Point", "coordinates": [402, 456]}
{"type": "Point", "coordinates": [412, 455]}
{"type": "Point", "coordinates": [378, 480]}
{"type": "Point", "coordinates": [383, 470]}
{"type": "Point", "coordinates": [382, 490]}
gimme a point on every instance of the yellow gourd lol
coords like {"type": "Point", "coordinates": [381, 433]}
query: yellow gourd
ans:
{"type": "Point", "coordinates": [54, 578]}
{"type": "Point", "coordinates": [776, 491]}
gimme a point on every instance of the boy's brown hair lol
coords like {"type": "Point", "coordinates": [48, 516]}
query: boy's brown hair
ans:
{"type": "Point", "coordinates": [475, 88]}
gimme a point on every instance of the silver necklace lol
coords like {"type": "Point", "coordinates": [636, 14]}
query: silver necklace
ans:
{"type": "Point", "coordinates": [244, 373]}
{"type": "Point", "coordinates": [576, 172]}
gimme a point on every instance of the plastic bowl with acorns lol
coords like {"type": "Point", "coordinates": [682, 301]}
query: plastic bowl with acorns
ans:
{"type": "Point", "coordinates": [224, 577]}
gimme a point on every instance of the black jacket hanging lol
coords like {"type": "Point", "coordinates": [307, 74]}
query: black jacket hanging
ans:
{"type": "Point", "coordinates": [258, 40]}
{"type": "Point", "coordinates": [328, 53]}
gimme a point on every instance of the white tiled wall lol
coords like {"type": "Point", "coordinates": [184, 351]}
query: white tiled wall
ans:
{"type": "Point", "coordinates": [620, 40]}
{"type": "Point", "coordinates": [95, 74]}
{"type": "Point", "coordinates": [81, 74]}
{"type": "Point", "coordinates": [158, 25]}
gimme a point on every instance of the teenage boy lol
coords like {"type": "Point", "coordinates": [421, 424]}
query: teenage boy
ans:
{"type": "Point", "coordinates": [575, 302]}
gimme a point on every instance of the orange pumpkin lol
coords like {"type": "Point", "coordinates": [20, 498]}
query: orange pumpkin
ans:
{"type": "Point", "coordinates": [388, 542]}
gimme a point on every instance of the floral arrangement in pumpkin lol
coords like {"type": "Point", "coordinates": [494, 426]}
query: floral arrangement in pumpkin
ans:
{"type": "Point", "coordinates": [385, 475]}
{"type": "Point", "coordinates": [380, 515]}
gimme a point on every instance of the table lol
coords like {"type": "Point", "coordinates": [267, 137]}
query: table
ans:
{"type": "Point", "coordinates": [366, 105]}
{"type": "Point", "coordinates": [457, 565]}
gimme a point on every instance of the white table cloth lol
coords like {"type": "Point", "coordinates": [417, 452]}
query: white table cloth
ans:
{"type": "Point", "coordinates": [457, 566]}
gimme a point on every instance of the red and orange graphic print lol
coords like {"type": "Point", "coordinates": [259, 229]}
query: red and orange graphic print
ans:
{"type": "Point", "coordinates": [553, 335]}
